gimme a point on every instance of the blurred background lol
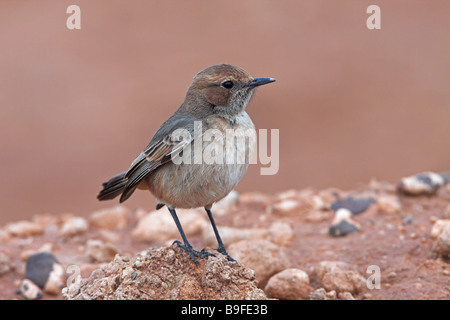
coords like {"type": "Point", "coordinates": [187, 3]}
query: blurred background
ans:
{"type": "Point", "coordinates": [351, 104]}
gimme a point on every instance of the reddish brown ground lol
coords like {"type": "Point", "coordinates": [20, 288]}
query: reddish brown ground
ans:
{"type": "Point", "coordinates": [400, 244]}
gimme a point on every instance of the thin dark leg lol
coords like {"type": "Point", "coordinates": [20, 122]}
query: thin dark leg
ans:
{"type": "Point", "coordinates": [221, 247]}
{"type": "Point", "coordinates": [186, 245]}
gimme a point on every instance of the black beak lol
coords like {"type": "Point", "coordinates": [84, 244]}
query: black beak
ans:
{"type": "Point", "coordinates": [259, 82]}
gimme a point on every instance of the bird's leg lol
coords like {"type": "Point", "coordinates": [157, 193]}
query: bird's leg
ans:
{"type": "Point", "coordinates": [221, 247]}
{"type": "Point", "coordinates": [186, 246]}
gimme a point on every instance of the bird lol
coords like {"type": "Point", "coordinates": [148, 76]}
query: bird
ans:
{"type": "Point", "coordinates": [215, 104]}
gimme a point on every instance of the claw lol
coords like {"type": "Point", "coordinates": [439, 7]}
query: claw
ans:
{"type": "Point", "coordinates": [225, 253]}
{"type": "Point", "coordinates": [193, 253]}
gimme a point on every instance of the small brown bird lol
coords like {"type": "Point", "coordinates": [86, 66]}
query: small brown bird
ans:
{"type": "Point", "coordinates": [214, 105]}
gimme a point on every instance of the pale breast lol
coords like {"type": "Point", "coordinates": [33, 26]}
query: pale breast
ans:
{"type": "Point", "coordinates": [226, 152]}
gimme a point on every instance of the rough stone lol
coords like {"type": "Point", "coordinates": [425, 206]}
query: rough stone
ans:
{"type": "Point", "coordinates": [110, 218]}
{"type": "Point", "coordinates": [354, 205]}
{"type": "Point", "coordinates": [286, 207]}
{"type": "Point", "coordinates": [389, 204]}
{"type": "Point", "coordinates": [5, 263]}
{"type": "Point", "coordinates": [289, 284]}
{"type": "Point", "coordinates": [263, 256]}
{"type": "Point", "coordinates": [74, 226]}
{"type": "Point", "coordinates": [158, 225]}
{"type": "Point", "coordinates": [421, 184]}
{"type": "Point", "coordinates": [340, 277]}
{"type": "Point", "coordinates": [167, 274]}
{"type": "Point", "coordinates": [24, 228]}
{"type": "Point", "coordinates": [342, 223]}
{"type": "Point", "coordinates": [442, 244]}
{"type": "Point", "coordinates": [438, 227]}
{"type": "Point", "coordinates": [279, 233]}
{"type": "Point", "coordinates": [99, 251]}
{"type": "Point", "coordinates": [226, 205]}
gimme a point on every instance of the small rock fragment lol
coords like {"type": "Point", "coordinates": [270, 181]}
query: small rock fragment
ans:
{"type": "Point", "coordinates": [5, 264]}
{"type": "Point", "coordinates": [43, 272]}
{"type": "Point", "coordinates": [30, 290]}
{"type": "Point", "coordinates": [110, 218]}
{"type": "Point", "coordinates": [322, 294]}
{"type": "Point", "coordinates": [389, 204]}
{"type": "Point", "coordinates": [74, 226]}
{"type": "Point", "coordinates": [340, 276]}
{"type": "Point", "coordinates": [260, 255]}
{"type": "Point", "coordinates": [438, 227]}
{"type": "Point", "coordinates": [442, 244]}
{"type": "Point", "coordinates": [345, 296]}
{"type": "Point", "coordinates": [289, 284]}
{"type": "Point", "coordinates": [425, 183]}
{"type": "Point", "coordinates": [447, 212]}
{"type": "Point", "coordinates": [286, 207]}
{"type": "Point", "coordinates": [227, 204]}
{"type": "Point", "coordinates": [159, 226]}
{"type": "Point", "coordinates": [24, 228]}
{"type": "Point", "coordinates": [354, 205]}
{"type": "Point", "coordinates": [99, 251]}
{"type": "Point", "coordinates": [343, 224]}
{"type": "Point", "coordinates": [279, 233]}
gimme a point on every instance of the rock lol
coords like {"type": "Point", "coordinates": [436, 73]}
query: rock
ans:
{"type": "Point", "coordinates": [389, 204]}
{"type": "Point", "coordinates": [230, 235]}
{"type": "Point", "coordinates": [438, 227]}
{"type": "Point", "coordinates": [43, 272]}
{"type": "Point", "coordinates": [354, 205]}
{"type": "Point", "coordinates": [322, 294]}
{"type": "Point", "coordinates": [29, 290]}
{"type": "Point", "coordinates": [255, 199]}
{"type": "Point", "coordinates": [46, 247]}
{"type": "Point", "coordinates": [24, 228]}
{"type": "Point", "coordinates": [99, 251]}
{"type": "Point", "coordinates": [226, 205]}
{"type": "Point", "coordinates": [5, 264]}
{"type": "Point", "coordinates": [442, 244]}
{"type": "Point", "coordinates": [74, 226]}
{"type": "Point", "coordinates": [345, 296]}
{"type": "Point", "coordinates": [263, 256]}
{"type": "Point", "coordinates": [447, 212]}
{"type": "Point", "coordinates": [47, 221]}
{"type": "Point", "coordinates": [319, 215]}
{"type": "Point", "coordinates": [343, 224]}
{"type": "Point", "coordinates": [167, 274]}
{"type": "Point", "coordinates": [425, 183]}
{"type": "Point", "coordinates": [328, 196]}
{"type": "Point", "coordinates": [110, 218]}
{"type": "Point", "coordinates": [279, 233]}
{"type": "Point", "coordinates": [445, 176]}
{"type": "Point", "coordinates": [286, 207]}
{"type": "Point", "coordinates": [289, 284]}
{"type": "Point", "coordinates": [5, 236]}
{"type": "Point", "coordinates": [340, 277]}
{"type": "Point", "coordinates": [159, 226]}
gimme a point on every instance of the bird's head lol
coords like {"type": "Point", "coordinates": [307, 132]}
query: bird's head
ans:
{"type": "Point", "coordinates": [224, 89]}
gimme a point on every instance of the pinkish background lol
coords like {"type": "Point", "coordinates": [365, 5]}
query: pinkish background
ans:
{"type": "Point", "coordinates": [351, 104]}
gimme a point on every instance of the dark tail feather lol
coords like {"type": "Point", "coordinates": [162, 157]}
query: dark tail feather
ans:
{"type": "Point", "coordinates": [113, 187]}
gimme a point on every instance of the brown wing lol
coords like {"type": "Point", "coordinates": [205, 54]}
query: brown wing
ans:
{"type": "Point", "coordinates": [155, 155]}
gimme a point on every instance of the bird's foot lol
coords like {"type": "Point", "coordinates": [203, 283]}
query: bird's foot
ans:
{"type": "Point", "coordinates": [222, 250]}
{"type": "Point", "coordinates": [193, 253]}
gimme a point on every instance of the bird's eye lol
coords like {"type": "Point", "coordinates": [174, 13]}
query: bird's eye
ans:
{"type": "Point", "coordinates": [227, 84]}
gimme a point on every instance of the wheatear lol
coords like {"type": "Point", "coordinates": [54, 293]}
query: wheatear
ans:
{"type": "Point", "coordinates": [215, 102]}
